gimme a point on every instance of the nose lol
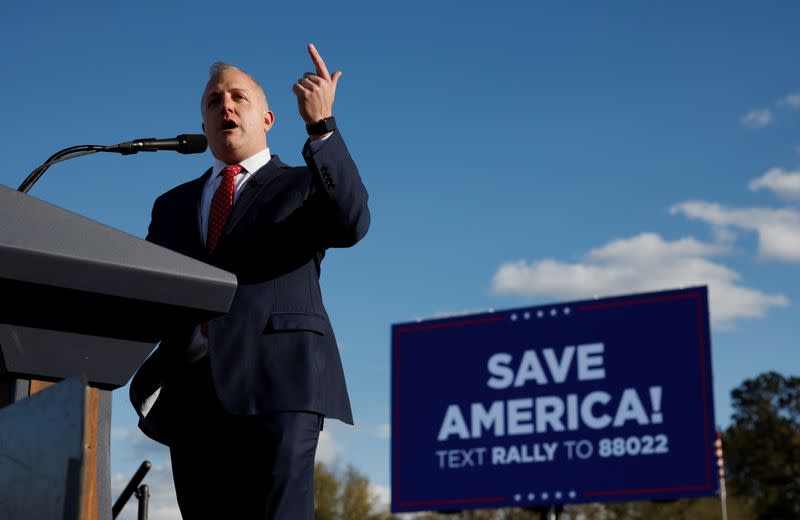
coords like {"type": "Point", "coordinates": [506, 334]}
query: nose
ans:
{"type": "Point", "coordinates": [227, 104]}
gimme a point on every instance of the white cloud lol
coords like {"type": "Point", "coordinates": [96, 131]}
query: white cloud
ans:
{"type": "Point", "coordinates": [384, 431]}
{"type": "Point", "coordinates": [783, 183]}
{"type": "Point", "coordinates": [137, 446]}
{"type": "Point", "coordinates": [162, 504]}
{"type": "Point", "coordinates": [327, 448]}
{"type": "Point", "coordinates": [778, 229]}
{"type": "Point", "coordinates": [454, 314]}
{"type": "Point", "coordinates": [758, 118]}
{"type": "Point", "coordinates": [645, 262]}
{"type": "Point", "coordinates": [382, 496]}
{"type": "Point", "coordinates": [792, 101]}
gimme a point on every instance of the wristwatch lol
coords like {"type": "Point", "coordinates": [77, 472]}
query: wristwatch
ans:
{"type": "Point", "coordinates": [323, 126]}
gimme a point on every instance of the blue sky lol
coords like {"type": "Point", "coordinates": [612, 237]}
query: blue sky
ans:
{"type": "Point", "coordinates": [514, 154]}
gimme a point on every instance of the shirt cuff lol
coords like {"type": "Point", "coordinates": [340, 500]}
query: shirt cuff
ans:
{"type": "Point", "coordinates": [316, 144]}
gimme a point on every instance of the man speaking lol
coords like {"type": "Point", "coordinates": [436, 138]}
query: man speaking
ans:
{"type": "Point", "coordinates": [240, 400]}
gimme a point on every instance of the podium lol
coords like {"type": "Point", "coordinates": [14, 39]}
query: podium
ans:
{"type": "Point", "coordinates": [81, 298]}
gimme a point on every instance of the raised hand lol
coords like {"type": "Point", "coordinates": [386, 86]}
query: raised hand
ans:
{"type": "Point", "coordinates": [315, 92]}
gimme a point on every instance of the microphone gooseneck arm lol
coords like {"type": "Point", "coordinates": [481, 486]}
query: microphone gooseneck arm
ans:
{"type": "Point", "coordinates": [184, 143]}
{"type": "Point", "coordinates": [63, 155]}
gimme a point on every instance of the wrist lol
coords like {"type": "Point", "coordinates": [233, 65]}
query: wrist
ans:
{"type": "Point", "coordinates": [322, 127]}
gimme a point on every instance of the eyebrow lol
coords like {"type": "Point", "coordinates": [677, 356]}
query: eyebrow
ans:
{"type": "Point", "coordinates": [217, 93]}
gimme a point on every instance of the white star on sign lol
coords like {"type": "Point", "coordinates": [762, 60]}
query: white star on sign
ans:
{"type": "Point", "coordinates": [553, 312]}
{"type": "Point", "coordinates": [545, 495]}
{"type": "Point", "coordinates": [567, 310]}
{"type": "Point", "coordinates": [539, 314]}
{"type": "Point", "coordinates": [527, 315]}
{"type": "Point", "coordinates": [572, 494]}
{"type": "Point", "coordinates": [513, 317]}
{"type": "Point", "coordinates": [531, 496]}
{"type": "Point", "coordinates": [517, 497]}
{"type": "Point", "coordinates": [558, 494]}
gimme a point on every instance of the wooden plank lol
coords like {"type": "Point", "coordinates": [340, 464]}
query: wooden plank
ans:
{"type": "Point", "coordinates": [39, 385]}
{"type": "Point", "coordinates": [90, 498]}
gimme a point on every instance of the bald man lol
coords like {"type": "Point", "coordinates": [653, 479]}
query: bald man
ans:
{"type": "Point", "coordinates": [240, 400]}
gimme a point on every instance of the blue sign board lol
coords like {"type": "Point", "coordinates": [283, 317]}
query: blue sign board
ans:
{"type": "Point", "coordinates": [586, 401]}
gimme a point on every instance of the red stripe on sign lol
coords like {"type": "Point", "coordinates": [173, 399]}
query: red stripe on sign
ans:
{"type": "Point", "coordinates": [700, 330]}
{"type": "Point", "coordinates": [641, 491]}
{"type": "Point", "coordinates": [462, 323]}
{"type": "Point", "coordinates": [639, 301]}
{"type": "Point", "coordinates": [395, 420]}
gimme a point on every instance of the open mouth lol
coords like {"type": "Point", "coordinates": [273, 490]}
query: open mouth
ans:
{"type": "Point", "coordinates": [229, 125]}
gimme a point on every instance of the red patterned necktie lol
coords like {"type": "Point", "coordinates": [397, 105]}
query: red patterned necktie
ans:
{"type": "Point", "coordinates": [221, 207]}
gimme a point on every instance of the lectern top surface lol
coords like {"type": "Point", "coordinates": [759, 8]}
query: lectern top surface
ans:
{"type": "Point", "coordinates": [44, 244]}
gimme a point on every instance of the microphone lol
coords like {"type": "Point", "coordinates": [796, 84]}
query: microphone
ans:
{"type": "Point", "coordinates": [184, 143]}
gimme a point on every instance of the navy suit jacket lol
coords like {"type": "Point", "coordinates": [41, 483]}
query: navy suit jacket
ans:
{"type": "Point", "coordinates": [275, 349]}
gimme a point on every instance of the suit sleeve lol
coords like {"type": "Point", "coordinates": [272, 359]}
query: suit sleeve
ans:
{"type": "Point", "coordinates": [344, 216]}
{"type": "Point", "coordinates": [155, 229]}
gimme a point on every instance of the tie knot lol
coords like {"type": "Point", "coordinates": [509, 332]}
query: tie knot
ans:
{"type": "Point", "coordinates": [231, 170]}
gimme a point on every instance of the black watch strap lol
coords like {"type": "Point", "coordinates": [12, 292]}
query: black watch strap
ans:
{"type": "Point", "coordinates": [323, 126]}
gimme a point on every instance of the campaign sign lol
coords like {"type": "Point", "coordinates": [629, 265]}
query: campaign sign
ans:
{"type": "Point", "coordinates": [596, 400]}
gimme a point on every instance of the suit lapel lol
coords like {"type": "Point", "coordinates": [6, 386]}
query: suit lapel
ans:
{"type": "Point", "coordinates": [251, 191]}
{"type": "Point", "coordinates": [195, 199]}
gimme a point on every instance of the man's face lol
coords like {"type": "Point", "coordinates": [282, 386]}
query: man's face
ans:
{"type": "Point", "coordinates": [235, 116]}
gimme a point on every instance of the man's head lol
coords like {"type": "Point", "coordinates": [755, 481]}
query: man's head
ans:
{"type": "Point", "coordinates": [236, 117]}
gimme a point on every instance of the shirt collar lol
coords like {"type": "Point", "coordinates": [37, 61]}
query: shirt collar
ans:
{"type": "Point", "coordinates": [251, 165]}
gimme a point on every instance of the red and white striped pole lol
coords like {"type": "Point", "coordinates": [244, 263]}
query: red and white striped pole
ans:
{"type": "Point", "coordinates": [721, 468]}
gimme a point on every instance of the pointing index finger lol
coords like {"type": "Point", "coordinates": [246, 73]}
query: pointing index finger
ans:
{"type": "Point", "coordinates": [322, 71]}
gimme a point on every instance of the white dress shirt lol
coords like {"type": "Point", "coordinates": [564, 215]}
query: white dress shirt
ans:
{"type": "Point", "coordinates": [249, 166]}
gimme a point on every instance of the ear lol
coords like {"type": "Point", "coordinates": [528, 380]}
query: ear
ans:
{"type": "Point", "coordinates": [203, 126]}
{"type": "Point", "coordinates": [269, 120]}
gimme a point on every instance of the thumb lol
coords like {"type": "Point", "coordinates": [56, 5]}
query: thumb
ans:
{"type": "Point", "coordinates": [335, 77]}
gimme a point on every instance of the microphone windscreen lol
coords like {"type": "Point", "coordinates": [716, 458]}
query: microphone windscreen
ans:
{"type": "Point", "coordinates": [192, 143]}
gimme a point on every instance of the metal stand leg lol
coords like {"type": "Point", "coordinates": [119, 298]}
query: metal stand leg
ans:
{"type": "Point", "coordinates": [143, 494]}
{"type": "Point", "coordinates": [552, 512]}
{"type": "Point", "coordinates": [131, 489]}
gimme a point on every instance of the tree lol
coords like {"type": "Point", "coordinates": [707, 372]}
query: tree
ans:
{"type": "Point", "coordinates": [345, 495]}
{"type": "Point", "coordinates": [356, 497]}
{"type": "Point", "coordinates": [326, 493]}
{"type": "Point", "coordinates": [762, 445]}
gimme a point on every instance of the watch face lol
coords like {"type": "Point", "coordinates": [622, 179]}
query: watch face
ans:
{"type": "Point", "coordinates": [321, 127]}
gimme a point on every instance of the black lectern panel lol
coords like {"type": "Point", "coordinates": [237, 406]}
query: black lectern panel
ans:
{"type": "Point", "coordinates": [50, 355]}
{"type": "Point", "coordinates": [77, 296]}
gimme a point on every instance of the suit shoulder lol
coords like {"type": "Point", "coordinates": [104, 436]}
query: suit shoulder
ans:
{"type": "Point", "coordinates": [287, 173]}
{"type": "Point", "coordinates": [182, 190]}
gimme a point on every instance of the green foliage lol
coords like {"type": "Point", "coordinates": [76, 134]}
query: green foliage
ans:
{"type": "Point", "coordinates": [686, 509]}
{"type": "Point", "coordinates": [326, 494]}
{"type": "Point", "coordinates": [345, 496]}
{"type": "Point", "coordinates": [762, 445]}
{"type": "Point", "coordinates": [357, 501]}
{"type": "Point", "coordinates": [692, 509]}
